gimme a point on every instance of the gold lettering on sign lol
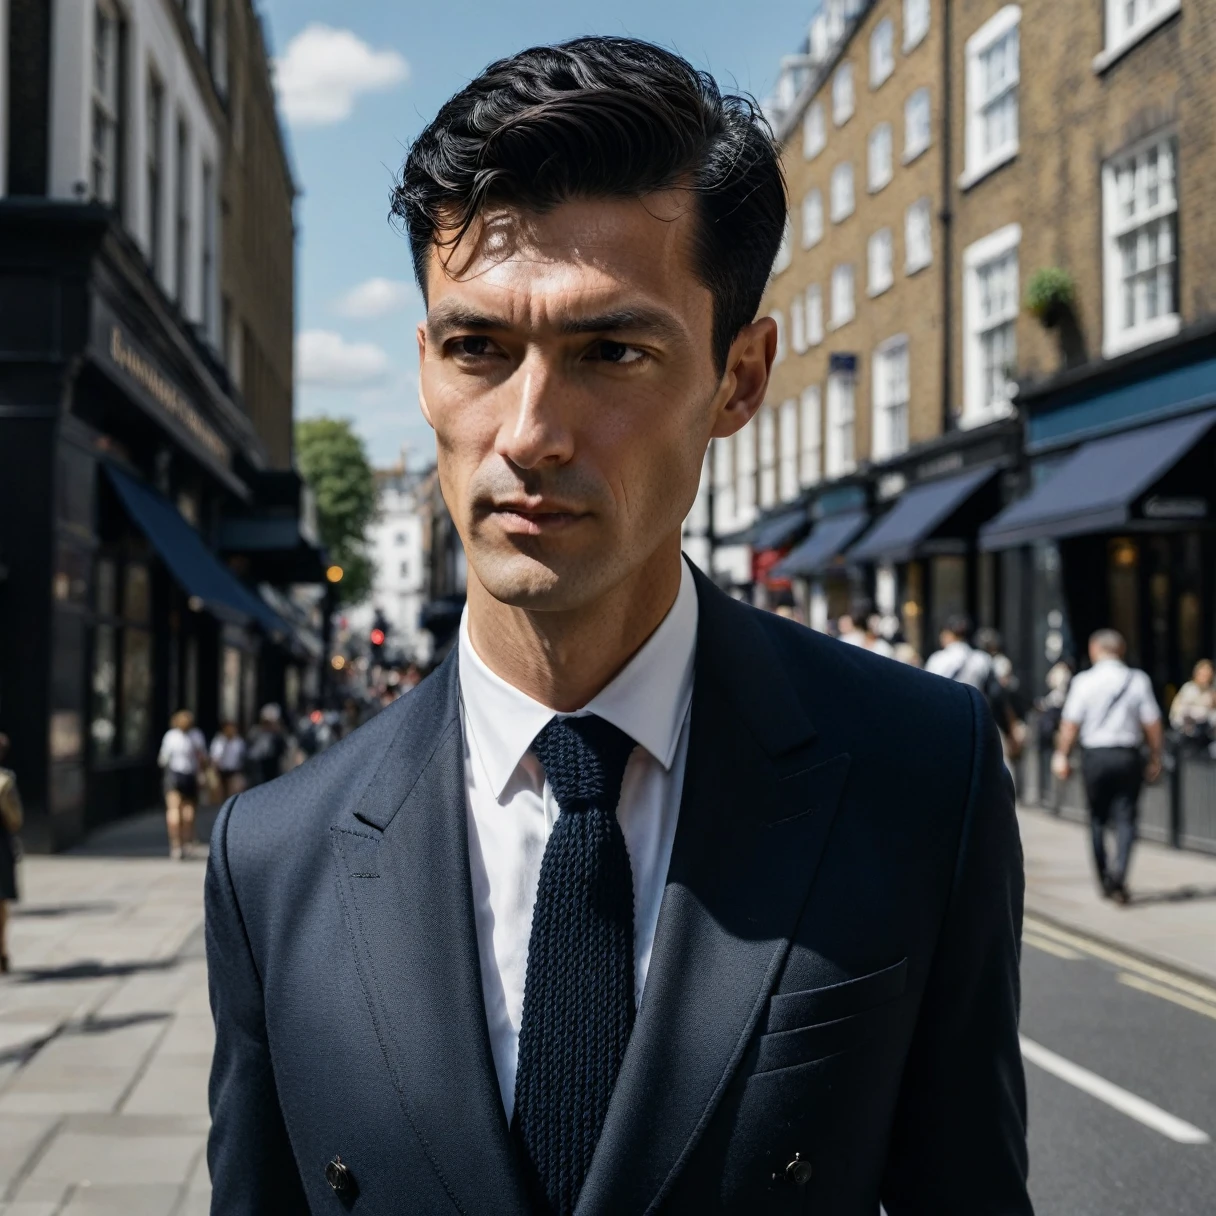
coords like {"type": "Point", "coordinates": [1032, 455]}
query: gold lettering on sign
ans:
{"type": "Point", "coordinates": [166, 393]}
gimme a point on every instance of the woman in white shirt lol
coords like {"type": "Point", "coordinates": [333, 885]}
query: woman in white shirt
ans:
{"type": "Point", "coordinates": [228, 756]}
{"type": "Point", "coordinates": [183, 752]}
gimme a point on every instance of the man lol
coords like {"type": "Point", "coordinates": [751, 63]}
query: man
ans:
{"type": "Point", "coordinates": [628, 907]}
{"type": "Point", "coordinates": [1112, 711]}
{"type": "Point", "coordinates": [957, 660]}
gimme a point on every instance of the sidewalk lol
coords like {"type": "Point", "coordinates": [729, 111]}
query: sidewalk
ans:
{"type": "Point", "coordinates": [1172, 916]}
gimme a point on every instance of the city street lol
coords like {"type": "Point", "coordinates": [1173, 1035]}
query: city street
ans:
{"type": "Point", "coordinates": [105, 1034]}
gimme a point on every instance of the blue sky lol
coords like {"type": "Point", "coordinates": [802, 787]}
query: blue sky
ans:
{"type": "Point", "coordinates": [358, 80]}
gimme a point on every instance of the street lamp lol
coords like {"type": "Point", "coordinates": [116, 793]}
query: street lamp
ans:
{"type": "Point", "coordinates": [334, 574]}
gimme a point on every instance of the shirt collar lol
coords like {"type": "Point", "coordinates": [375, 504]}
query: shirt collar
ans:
{"type": "Point", "coordinates": [648, 699]}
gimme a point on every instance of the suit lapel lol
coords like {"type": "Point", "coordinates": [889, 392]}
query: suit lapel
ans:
{"type": "Point", "coordinates": [757, 805]}
{"type": "Point", "coordinates": [403, 873]}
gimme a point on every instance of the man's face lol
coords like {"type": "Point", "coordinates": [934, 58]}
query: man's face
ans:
{"type": "Point", "coordinates": [566, 368]}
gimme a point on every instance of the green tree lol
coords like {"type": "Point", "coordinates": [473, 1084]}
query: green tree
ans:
{"type": "Point", "coordinates": [334, 463]}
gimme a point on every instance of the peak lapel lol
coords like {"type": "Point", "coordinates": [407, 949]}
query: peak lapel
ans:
{"type": "Point", "coordinates": [757, 806]}
{"type": "Point", "coordinates": [403, 872]}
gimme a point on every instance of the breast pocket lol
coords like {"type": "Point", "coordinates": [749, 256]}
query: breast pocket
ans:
{"type": "Point", "coordinates": [819, 1022]}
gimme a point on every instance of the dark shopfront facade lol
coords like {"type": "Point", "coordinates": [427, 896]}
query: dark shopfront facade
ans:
{"type": "Point", "coordinates": [123, 455]}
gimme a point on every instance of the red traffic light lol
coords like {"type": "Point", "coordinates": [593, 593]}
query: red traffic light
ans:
{"type": "Point", "coordinates": [377, 637]}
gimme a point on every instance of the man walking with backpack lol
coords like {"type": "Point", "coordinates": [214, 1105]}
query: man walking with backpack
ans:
{"type": "Point", "coordinates": [1112, 711]}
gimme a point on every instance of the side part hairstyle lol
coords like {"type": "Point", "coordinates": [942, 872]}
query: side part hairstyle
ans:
{"type": "Point", "coordinates": [605, 118]}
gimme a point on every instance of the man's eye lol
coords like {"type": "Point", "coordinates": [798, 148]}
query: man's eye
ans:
{"type": "Point", "coordinates": [474, 345]}
{"type": "Point", "coordinates": [617, 352]}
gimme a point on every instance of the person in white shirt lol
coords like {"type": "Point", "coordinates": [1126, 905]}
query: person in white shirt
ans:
{"type": "Point", "coordinates": [183, 752]}
{"type": "Point", "coordinates": [1112, 711]}
{"type": "Point", "coordinates": [228, 756]}
{"type": "Point", "coordinates": [957, 659]}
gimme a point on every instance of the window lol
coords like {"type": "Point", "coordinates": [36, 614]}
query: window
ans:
{"type": "Point", "coordinates": [814, 315]}
{"type": "Point", "coordinates": [768, 456]}
{"type": "Point", "coordinates": [917, 129]}
{"type": "Point", "coordinates": [404, 570]}
{"type": "Point", "coordinates": [918, 235]}
{"type": "Point", "coordinates": [121, 711]}
{"type": "Point", "coordinates": [990, 310]}
{"type": "Point", "coordinates": [842, 191]}
{"type": "Point", "coordinates": [155, 158]}
{"type": "Point", "coordinates": [217, 46]}
{"type": "Point", "coordinates": [842, 295]}
{"type": "Point", "coordinates": [208, 261]}
{"type": "Point", "coordinates": [1140, 223]}
{"type": "Point", "coordinates": [814, 131]}
{"type": "Point", "coordinates": [798, 341]}
{"type": "Point", "coordinates": [1127, 21]}
{"type": "Point", "coordinates": [784, 252]}
{"type": "Point", "coordinates": [399, 539]}
{"type": "Point", "coordinates": [840, 423]}
{"type": "Point", "coordinates": [745, 474]}
{"type": "Point", "coordinates": [103, 163]}
{"type": "Point", "coordinates": [880, 257]}
{"type": "Point", "coordinates": [723, 473]}
{"type": "Point", "coordinates": [787, 469]}
{"type": "Point", "coordinates": [810, 433]}
{"type": "Point", "coordinates": [842, 94]}
{"type": "Point", "coordinates": [879, 158]}
{"type": "Point", "coordinates": [992, 94]}
{"type": "Point", "coordinates": [812, 218]}
{"type": "Point", "coordinates": [779, 317]}
{"type": "Point", "coordinates": [882, 52]}
{"type": "Point", "coordinates": [182, 225]}
{"type": "Point", "coordinates": [891, 398]}
{"type": "Point", "coordinates": [916, 22]}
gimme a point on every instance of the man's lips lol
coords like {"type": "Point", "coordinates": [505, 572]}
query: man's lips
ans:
{"type": "Point", "coordinates": [532, 519]}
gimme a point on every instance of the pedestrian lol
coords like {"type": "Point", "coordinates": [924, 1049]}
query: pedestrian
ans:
{"type": "Point", "coordinates": [10, 824]}
{"type": "Point", "coordinates": [1193, 709]}
{"type": "Point", "coordinates": [847, 630]}
{"type": "Point", "coordinates": [1002, 692]}
{"type": "Point", "coordinates": [228, 758]}
{"type": "Point", "coordinates": [183, 754]}
{"type": "Point", "coordinates": [1111, 710]}
{"type": "Point", "coordinates": [266, 746]}
{"type": "Point", "coordinates": [456, 912]}
{"type": "Point", "coordinates": [957, 659]}
{"type": "Point", "coordinates": [872, 639]}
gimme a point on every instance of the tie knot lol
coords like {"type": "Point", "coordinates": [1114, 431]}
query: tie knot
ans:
{"type": "Point", "coordinates": [584, 759]}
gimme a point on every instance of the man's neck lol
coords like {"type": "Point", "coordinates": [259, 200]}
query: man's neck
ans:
{"type": "Point", "coordinates": [562, 659]}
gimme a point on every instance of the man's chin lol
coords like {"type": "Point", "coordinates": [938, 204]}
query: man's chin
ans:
{"type": "Point", "coordinates": [539, 584]}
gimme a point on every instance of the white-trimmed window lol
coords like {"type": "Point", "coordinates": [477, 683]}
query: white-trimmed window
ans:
{"type": "Point", "coordinates": [918, 235]}
{"type": "Point", "coordinates": [787, 461]}
{"type": "Point", "coordinates": [890, 384]}
{"type": "Point", "coordinates": [916, 22]}
{"type": "Point", "coordinates": [768, 456]}
{"type": "Point", "coordinates": [782, 339]}
{"type": "Point", "coordinates": [882, 52]}
{"type": "Point", "coordinates": [842, 294]}
{"type": "Point", "coordinates": [103, 159]}
{"type": "Point", "coordinates": [181, 223]}
{"type": "Point", "coordinates": [745, 475]}
{"type": "Point", "coordinates": [154, 151]}
{"type": "Point", "coordinates": [879, 156]}
{"type": "Point", "coordinates": [798, 342]}
{"type": "Point", "coordinates": [812, 218]}
{"type": "Point", "coordinates": [785, 251]}
{"type": "Point", "coordinates": [880, 257]}
{"type": "Point", "coordinates": [842, 94]}
{"type": "Point", "coordinates": [814, 315]}
{"type": "Point", "coordinates": [842, 191]}
{"type": "Point", "coordinates": [841, 413]}
{"type": "Point", "coordinates": [810, 436]}
{"type": "Point", "coordinates": [918, 130]}
{"type": "Point", "coordinates": [992, 94]}
{"type": "Point", "coordinates": [1140, 225]}
{"type": "Point", "coordinates": [990, 312]}
{"type": "Point", "coordinates": [723, 473]}
{"type": "Point", "coordinates": [207, 278]}
{"type": "Point", "coordinates": [814, 130]}
{"type": "Point", "coordinates": [217, 51]}
{"type": "Point", "coordinates": [1127, 21]}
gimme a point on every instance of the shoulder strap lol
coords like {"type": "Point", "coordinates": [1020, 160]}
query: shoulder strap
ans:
{"type": "Point", "coordinates": [1110, 705]}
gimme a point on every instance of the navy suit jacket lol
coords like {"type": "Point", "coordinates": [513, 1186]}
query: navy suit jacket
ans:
{"type": "Point", "coordinates": [834, 975]}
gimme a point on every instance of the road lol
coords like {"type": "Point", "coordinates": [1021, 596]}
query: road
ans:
{"type": "Point", "coordinates": [1097, 1015]}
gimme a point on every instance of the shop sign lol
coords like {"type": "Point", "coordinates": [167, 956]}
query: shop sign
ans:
{"type": "Point", "coordinates": [949, 463]}
{"type": "Point", "coordinates": [1160, 507]}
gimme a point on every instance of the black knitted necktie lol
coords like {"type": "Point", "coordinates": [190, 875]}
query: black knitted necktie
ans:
{"type": "Point", "coordinates": [578, 995]}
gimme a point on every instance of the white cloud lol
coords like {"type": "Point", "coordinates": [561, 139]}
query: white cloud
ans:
{"type": "Point", "coordinates": [327, 359]}
{"type": "Point", "coordinates": [324, 69]}
{"type": "Point", "coordinates": [376, 298]}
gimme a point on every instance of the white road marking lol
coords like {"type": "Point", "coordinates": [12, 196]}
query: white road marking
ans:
{"type": "Point", "coordinates": [1121, 1100]}
{"type": "Point", "coordinates": [1207, 1008]}
{"type": "Point", "coordinates": [1049, 947]}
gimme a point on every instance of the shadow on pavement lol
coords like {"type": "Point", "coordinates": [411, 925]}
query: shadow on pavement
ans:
{"type": "Point", "coordinates": [90, 969]}
{"type": "Point", "coordinates": [53, 911]}
{"type": "Point", "coordinates": [140, 835]}
{"type": "Point", "coordinates": [1179, 895]}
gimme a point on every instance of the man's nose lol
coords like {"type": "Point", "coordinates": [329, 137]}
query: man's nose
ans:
{"type": "Point", "coordinates": [534, 430]}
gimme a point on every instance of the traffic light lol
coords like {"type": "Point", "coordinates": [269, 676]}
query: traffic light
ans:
{"type": "Point", "coordinates": [377, 636]}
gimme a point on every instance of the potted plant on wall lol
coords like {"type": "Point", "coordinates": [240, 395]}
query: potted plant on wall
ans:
{"type": "Point", "coordinates": [1050, 296]}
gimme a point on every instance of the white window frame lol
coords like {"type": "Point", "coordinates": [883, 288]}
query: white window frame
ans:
{"type": "Point", "coordinates": [798, 342]}
{"type": "Point", "coordinates": [916, 23]}
{"type": "Point", "coordinates": [911, 264]}
{"type": "Point", "coordinates": [745, 475]}
{"type": "Point", "coordinates": [810, 436]}
{"type": "Point", "coordinates": [814, 315]}
{"type": "Point", "coordinates": [989, 249]}
{"type": "Point", "coordinates": [1121, 35]}
{"type": "Point", "coordinates": [843, 101]}
{"type": "Point", "coordinates": [787, 450]}
{"type": "Point", "coordinates": [814, 130]}
{"type": "Point", "coordinates": [723, 474]}
{"type": "Point", "coordinates": [105, 110]}
{"type": "Point", "coordinates": [767, 437]}
{"type": "Point", "coordinates": [782, 338]}
{"type": "Point", "coordinates": [980, 161]}
{"type": "Point", "coordinates": [209, 252]}
{"type": "Point", "coordinates": [880, 153]}
{"type": "Point", "coordinates": [843, 310]}
{"type": "Point", "coordinates": [890, 422]}
{"type": "Point", "coordinates": [882, 52]}
{"type": "Point", "coordinates": [843, 192]}
{"type": "Point", "coordinates": [880, 262]}
{"type": "Point", "coordinates": [916, 139]}
{"type": "Point", "coordinates": [812, 218]}
{"type": "Point", "coordinates": [841, 454]}
{"type": "Point", "coordinates": [1116, 337]}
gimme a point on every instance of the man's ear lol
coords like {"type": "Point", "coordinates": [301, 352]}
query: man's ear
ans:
{"type": "Point", "coordinates": [426, 413]}
{"type": "Point", "coordinates": [745, 381]}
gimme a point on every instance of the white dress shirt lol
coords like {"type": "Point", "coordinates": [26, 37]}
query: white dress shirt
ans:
{"type": "Point", "coordinates": [180, 750]}
{"type": "Point", "coordinates": [1105, 722]}
{"type": "Point", "coordinates": [961, 662]}
{"type": "Point", "coordinates": [511, 810]}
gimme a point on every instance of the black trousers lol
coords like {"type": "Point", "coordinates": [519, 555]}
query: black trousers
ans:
{"type": "Point", "coordinates": [1113, 778]}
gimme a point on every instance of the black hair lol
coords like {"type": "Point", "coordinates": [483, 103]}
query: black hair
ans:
{"type": "Point", "coordinates": [959, 625]}
{"type": "Point", "coordinates": [612, 118]}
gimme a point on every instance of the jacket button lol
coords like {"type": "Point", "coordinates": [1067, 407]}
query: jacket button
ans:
{"type": "Point", "coordinates": [339, 1177]}
{"type": "Point", "coordinates": [798, 1171]}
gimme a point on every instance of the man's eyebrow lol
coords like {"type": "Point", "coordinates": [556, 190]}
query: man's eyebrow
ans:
{"type": "Point", "coordinates": [624, 320]}
{"type": "Point", "coordinates": [457, 316]}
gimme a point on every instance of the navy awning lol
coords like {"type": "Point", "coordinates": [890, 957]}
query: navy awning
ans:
{"type": "Point", "coordinates": [772, 532]}
{"type": "Point", "coordinates": [200, 573]}
{"type": "Point", "coordinates": [1094, 489]}
{"type": "Point", "coordinates": [830, 538]}
{"type": "Point", "coordinates": [917, 515]}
